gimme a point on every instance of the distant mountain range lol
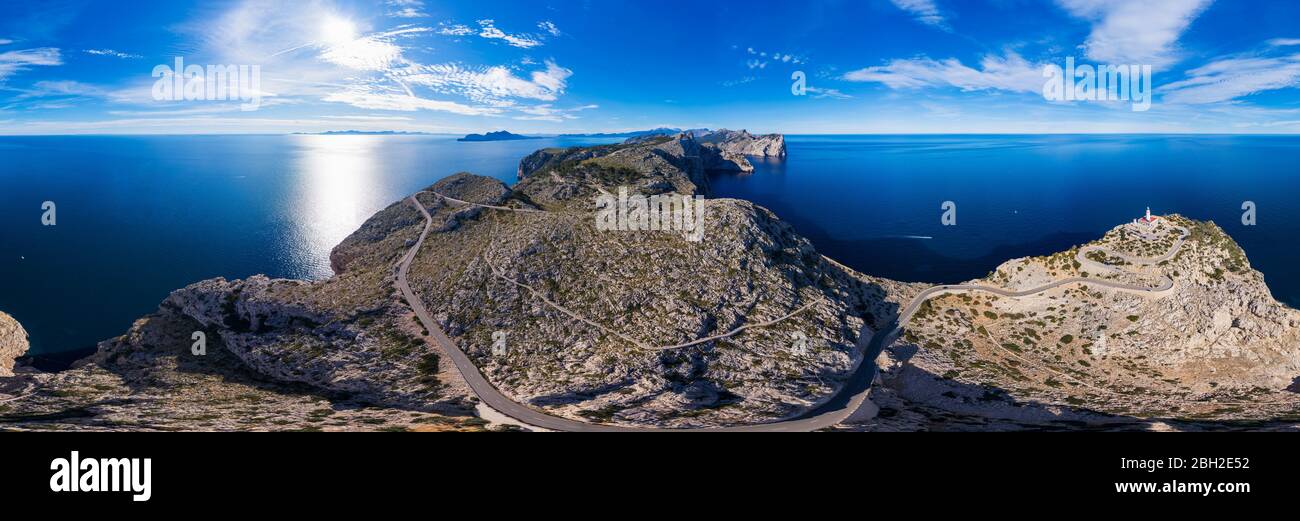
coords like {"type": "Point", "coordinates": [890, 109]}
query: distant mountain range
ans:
{"type": "Point", "coordinates": [499, 135]}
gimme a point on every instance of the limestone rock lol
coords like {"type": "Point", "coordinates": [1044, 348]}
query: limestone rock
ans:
{"type": "Point", "coordinates": [13, 343]}
{"type": "Point", "coordinates": [743, 143]}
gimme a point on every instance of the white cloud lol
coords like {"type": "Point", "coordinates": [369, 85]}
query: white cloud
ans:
{"type": "Point", "coordinates": [549, 27]}
{"type": "Point", "coordinates": [775, 57]}
{"type": "Point", "coordinates": [16, 61]}
{"type": "Point", "coordinates": [454, 29]}
{"type": "Point", "coordinates": [409, 12]}
{"type": "Point", "coordinates": [924, 11]}
{"type": "Point", "coordinates": [4, 41]}
{"type": "Point", "coordinates": [1230, 78]}
{"type": "Point", "coordinates": [1284, 42]}
{"type": "Point", "coordinates": [490, 84]}
{"type": "Point", "coordinates": [368, 53]}
{"type": "Point", "coordinates": [487, 29]}
{"type": "Point", "coordinates": [547, 112]}
{"type": "Point", "coordinates": [113, 53]}
{"type": "Point", "coordinates": [369, 118]}
{"type": "Point", "coordinates": [374, 70]}
{"type": "Point", "coordinates": [63, 88]}
{"type": "Point", "coordinates": [373, 98]}
{"type": "Point", "coordinates": [820, 93]}
{"type": "Point", "coordinates": [406, 8]}
{"type": "Point", "coordinates": [939, 110]}
{"type": "Point", "coordinates": [1010, 73]}
{"type": "Point", "coordinates": [741, 81]}
{"type": "Point", "coordinates": [1141, 33]}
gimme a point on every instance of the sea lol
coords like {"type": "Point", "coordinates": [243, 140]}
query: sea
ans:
{"type": "Point", "coordinates": [135, 217]}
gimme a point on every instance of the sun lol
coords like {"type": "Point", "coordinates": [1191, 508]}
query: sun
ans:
{"type": "Point", "coordinates": [337, 31]}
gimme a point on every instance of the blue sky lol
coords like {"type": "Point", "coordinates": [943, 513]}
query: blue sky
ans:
{"type": "Point", "coordinates": [872, 66]}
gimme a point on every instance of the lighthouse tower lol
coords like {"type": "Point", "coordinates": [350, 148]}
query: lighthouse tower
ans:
{"type": "Point", "coordinates": [1148, 214]}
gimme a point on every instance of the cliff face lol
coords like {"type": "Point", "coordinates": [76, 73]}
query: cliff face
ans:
{"type": "Point", "coordinates": [654, 164]}
{"type": "Point", "coordinates": [13, 343]}
{"type": "Point", "coordinates": [746, 144]}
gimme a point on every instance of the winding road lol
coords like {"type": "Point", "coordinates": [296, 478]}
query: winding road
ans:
{"type": "Point", "coordinates": [831, 411]}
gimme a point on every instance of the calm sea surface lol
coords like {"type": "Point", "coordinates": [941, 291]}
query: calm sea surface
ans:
{"type": "Point", "coordinates": [874, 202]}
{"type": "Point", "coordinates": [141, 216]}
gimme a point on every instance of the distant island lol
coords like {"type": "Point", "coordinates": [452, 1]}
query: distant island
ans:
{"type": "Point", "coordinates": [499, 135]}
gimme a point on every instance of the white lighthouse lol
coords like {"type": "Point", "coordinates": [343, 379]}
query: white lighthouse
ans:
{"type": "Point", "coordinates": [1148, 220]}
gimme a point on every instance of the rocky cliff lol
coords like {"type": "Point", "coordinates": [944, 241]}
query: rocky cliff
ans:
{"type": "Point", "coordinates": [13, 343]}
{"type": "Point", "coordinates": [681, 161]}
{"type": "Point", "coordinates": [745, 144]}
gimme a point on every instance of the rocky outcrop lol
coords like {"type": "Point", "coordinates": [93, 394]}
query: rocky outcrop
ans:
{"type": "Point", "coordinates": [1216, 346]}
{"type": "Point", "coordinates": [641, 289]}
{"type": "Point", "coordinates": [745, 144]}
{"type": "Point", "coordinates": [13, 343]}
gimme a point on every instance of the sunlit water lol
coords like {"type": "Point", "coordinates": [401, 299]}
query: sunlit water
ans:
{"type": "Point", "coordinates": [138, 217]}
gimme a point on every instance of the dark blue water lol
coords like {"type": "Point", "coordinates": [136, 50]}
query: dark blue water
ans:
{"type": "Point", "coordinates": [873, 202]}
{"type": "Point", "coordinates": [140, 216]}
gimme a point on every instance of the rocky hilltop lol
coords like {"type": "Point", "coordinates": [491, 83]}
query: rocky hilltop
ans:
{"type": "Point", "coordinates": [1205, 345]}
{"type": "Point", "coordinates": [681, 161]}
